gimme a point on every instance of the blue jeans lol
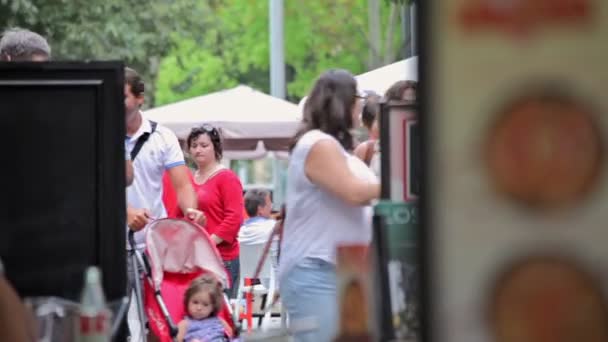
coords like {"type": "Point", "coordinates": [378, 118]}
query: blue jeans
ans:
{"type": "Point", "coordinates": [308, 292]}
{"type": "Point", "coordinates": [233, 267]}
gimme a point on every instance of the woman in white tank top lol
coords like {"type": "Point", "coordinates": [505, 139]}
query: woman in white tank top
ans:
{"type": "Point", "coordinates": [328, 194]}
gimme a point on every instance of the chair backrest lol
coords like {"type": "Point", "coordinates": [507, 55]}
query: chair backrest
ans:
{"type": "Point", "coordinates": [250, 257]}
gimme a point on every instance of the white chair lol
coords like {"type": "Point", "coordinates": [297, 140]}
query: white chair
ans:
{"type": "Point", "coordinates": [249, 257]}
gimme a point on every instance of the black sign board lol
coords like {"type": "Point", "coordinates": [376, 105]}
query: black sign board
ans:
{"type": "Point", "coordinates": [400, 146]}
{"type": "Point", "coordinates": [62, 203]}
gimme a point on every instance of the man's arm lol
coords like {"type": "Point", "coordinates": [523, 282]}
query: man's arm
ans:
{"type": "Point", "coordinates": [179, 174]}
{"type": "Point", "coordinates": [186, 197]}
{"type": "Point", "coordinates": [15, 324]}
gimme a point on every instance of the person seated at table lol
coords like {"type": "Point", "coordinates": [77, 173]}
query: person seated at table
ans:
{"type": "Point", "coordinates": [256, 230]}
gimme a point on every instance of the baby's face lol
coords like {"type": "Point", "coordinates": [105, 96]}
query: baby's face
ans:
{"type": "Point", "coordinates": [200, 305]}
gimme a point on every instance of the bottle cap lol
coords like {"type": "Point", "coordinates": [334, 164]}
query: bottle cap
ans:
{"type": "Point", "coordinates": [93, 275]}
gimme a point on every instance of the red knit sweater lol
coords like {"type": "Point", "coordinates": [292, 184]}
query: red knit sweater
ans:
{"type": "Point", "coordinates": [221, 199]}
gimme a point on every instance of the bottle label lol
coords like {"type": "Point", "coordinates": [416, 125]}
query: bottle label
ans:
{"type": "Point", "coordinates": [94, 328]}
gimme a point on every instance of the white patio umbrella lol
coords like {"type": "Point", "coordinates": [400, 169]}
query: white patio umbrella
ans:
{"type": "Point", "coordinates": [379, 80]}
{"type": "Point", "coordinates": [245, 116]}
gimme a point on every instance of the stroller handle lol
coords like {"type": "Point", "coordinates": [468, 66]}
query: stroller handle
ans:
{"type": "Point", "coordinates": [142, 259]}
{"type": "Point", "coordinates": [131, 238]}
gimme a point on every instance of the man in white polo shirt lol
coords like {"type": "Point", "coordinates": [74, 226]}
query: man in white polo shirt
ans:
{"type": "Point", "coordinates": [157, 150]}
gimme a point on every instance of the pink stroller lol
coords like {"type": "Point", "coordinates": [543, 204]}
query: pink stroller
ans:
{"type": "Point", "coordinates": [177, 251]}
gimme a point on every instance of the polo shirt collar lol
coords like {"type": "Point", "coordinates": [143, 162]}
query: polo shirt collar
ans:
{"type": "Point", "coordinates": [255, 219]}
{"type": "Point", "coordinates": [145, 127]}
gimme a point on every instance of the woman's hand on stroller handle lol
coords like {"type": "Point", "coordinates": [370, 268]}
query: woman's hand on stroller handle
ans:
{"type": "Point", "coordinates": [196, 216]}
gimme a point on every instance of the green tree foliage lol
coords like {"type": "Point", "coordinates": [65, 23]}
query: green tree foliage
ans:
{"type": "Point", "coordinates": [319, 35]}
{"type": "Point", "coordinates": [137, 32]}
{"type": "Point", "coordinates": [205, 46]}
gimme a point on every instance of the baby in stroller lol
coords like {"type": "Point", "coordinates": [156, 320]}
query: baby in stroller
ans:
{"type": "Point", "coordinates": [180, 261]}
{"type": "Point", "coordinates": [203, 301]}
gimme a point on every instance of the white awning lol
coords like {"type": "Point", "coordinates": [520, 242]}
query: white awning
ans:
{"type": "Point", "coordinates": [245, 116]}
{"type": "Point", "coordinates": [379, 80]}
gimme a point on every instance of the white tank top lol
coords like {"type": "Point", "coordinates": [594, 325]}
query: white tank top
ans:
{"type": "Point", "coordinates": [318, 221]}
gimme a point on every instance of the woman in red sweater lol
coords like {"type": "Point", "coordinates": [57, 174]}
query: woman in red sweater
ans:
{"type": "Point", "coordinates": [220, 197]}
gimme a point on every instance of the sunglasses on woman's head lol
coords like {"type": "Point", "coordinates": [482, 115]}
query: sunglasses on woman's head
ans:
{"type": "Point", "coordinates": [207, 128]}
{"type": "Point", "coordinates": [363, 95]}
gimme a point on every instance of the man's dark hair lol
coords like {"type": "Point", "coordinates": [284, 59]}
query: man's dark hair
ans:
{"type": "Point", "coordinates": [20, 45]}
{"type": "Point", "coordinates": [395, 92]}
{"type": "Point", "coordinates": [254, 199]}
{"type": "Point", "coordinates": [329, 106]}
{"type": "Point", "coordinates": [371, 109]}
{"type": "Point", "coordinates": [134, 81]}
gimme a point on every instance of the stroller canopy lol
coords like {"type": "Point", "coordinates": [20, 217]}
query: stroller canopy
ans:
{"type": "Point", "coordinates": [179, 246]}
